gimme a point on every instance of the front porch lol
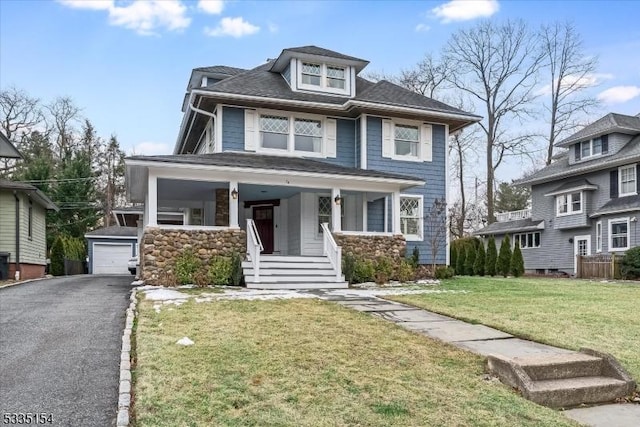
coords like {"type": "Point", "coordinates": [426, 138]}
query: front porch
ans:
{"type": "Point", "coordinates": [288, 214]}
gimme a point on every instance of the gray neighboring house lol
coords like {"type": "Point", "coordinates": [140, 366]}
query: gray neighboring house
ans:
{"type": "Point", "coordinates": [110, 249]}
{"type": "Point", "coordinates": [585, 202]}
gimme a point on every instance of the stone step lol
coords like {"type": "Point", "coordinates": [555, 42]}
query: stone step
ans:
{"type": "Point", "coordinates": [311, 278]}
{"type": "Point", "coordinates": [559, 366]}
{"type": "Point", "coordinates": [291, 271]}
{"type": "Point", "coordinates": [298, 285]}
{"type": "Point", "coordinates": [569, 392]}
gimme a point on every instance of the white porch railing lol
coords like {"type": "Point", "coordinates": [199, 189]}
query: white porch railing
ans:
{"type": "Point", "coordinates": [332, 250]}
{"type": "Point", "coordinates": [254, 247]}
{"type": "Point", "coordinates": [513, 216]}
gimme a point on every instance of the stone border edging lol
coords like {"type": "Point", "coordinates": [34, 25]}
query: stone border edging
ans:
{"type": "Point", "coordinates": [124, 390]}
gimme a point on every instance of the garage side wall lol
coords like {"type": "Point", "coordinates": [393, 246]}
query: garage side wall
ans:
{"type": "Point", "coordinates": [133, 241]}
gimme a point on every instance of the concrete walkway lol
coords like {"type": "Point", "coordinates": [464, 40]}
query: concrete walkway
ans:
{"type": "Point", "coordinates": [481, 340]}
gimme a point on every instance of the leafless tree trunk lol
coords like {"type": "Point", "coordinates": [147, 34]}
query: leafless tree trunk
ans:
{"type": "Point", "coordinates": [64, 114]}
{"type": "Point", "coordinates": [571, 71]}
{"type": "Point", "coordinates": [497, 65]}
{"type": "Point", "coordinates": [435, 222]}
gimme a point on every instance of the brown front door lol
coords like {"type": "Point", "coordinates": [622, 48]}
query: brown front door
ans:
{"type": "Point", "coordinates": [263, 217]}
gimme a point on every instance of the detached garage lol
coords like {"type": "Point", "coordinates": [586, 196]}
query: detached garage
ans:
{"type": "Point", "coordinates": [110, 249]}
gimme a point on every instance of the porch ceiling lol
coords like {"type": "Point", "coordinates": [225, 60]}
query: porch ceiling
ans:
{"type": "Point", "coordinates": [173, 189]}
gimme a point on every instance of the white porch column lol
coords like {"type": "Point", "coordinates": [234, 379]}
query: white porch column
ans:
{"type": "Point", "coordinates": [152, 200]}
{"type": "Point", "coordinates": [336, 210]}
{"type": "Point", "coordinates": [233, 205]}
{"type": "Point", "coordinates": [364, 212]}
{"type": "Point", "coordinates": [396, 212]}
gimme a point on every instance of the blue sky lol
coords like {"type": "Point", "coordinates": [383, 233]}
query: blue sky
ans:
{"type": "Point", "coordinates": [127, 63]}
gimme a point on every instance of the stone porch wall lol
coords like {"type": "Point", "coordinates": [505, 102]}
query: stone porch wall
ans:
{"type": "Point", "coordinates": [160, 247]}
{"type": "Point", "coordinates": [372, 247]}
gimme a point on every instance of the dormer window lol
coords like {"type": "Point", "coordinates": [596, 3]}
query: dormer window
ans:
{"type": "Point", "coordinates": [311, 74]}
{"type": "Point", "coordinates": [336, 77]}
{"type": "Point", "coordinates": [594, 147]}
{"type": "Point", "coordinates": [322, 77]}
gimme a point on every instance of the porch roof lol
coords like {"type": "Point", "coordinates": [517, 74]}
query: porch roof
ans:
{"type": "Point", "coordinates": [234, 160]}
{"type": "Point", "coordinates": [499, 228]}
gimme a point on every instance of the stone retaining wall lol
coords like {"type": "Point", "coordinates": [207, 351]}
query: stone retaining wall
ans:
{"type": "Point", "coordinates": [160, 247]}
{"type": "Point", "coordinates": [372, 247]}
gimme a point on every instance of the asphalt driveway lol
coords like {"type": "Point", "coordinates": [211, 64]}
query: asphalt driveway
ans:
{"type": "Point", "coordinates": [60, 342]}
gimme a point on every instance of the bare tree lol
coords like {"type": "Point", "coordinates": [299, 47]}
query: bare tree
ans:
{"type": "Point", "coordinates": [64, 114]}
{"type": "Point", "coordinates": [571, 71]}
{"type": "Point", "coordinates": [435, 222]}
{"type": "Point", "coordinates": [460, 144]}
{"type": "Point", "coordinates": [497, 65]}
{"type": "Point", "coordinates": [20, 113]}
{"type": "Point", "coordinates": [429, 76]}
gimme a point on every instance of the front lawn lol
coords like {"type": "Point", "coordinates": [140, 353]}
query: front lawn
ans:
{"type": "Point", "coordinates": [309, 363]}
{"type": "Point", "coordinates": [562, 312]}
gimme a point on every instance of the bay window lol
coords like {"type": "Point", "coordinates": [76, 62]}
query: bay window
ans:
{"type": "Point", "coordinates": [567, 204]}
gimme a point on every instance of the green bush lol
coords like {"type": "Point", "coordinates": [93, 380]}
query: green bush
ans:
{"type": "Point", "coordinates": [491, 258]}
{"type": "Point", "coordinates": [236, 270]}
{"type": "Point", "coordinates": [460, 262]}
{"type": "Point", "coordinates": [383, 270]}
{"type": "Point", "coordinates": [517, 263]}
{"type": "Point", "coordinates": [503, 265]}
{"type": "Point", "coordinates": [57, 257]}
{"type": "Point", "coordinates": [364, 271]}
{"type": "Point", "coordinates": [405, 271]}
{"type": "Point", "coordinates": [470, 260]}
{"type": "Point", "coordinates": [74, 249]}
{"type": "Point", "coordinates": [444, 273]}
{"type": "Point", "coordinates": [220, 270]}
{"type": "Point", "coordinates": [415, 257]}
{"type": "Point", "coordinates": [630, 264]}
{"type": "Point", "coordinates": [478, 266]}
{"type": "Point", "coordinates": [349, 268]}
{"type": "Point", "coordinates": [187, 265]}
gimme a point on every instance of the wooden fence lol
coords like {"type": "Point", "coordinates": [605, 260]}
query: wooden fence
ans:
{"type": "Point", "coordinates": [598, 266]}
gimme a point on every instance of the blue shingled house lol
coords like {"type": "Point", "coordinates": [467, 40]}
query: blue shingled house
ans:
{"type": "Point", "coordinates": [293, 163]}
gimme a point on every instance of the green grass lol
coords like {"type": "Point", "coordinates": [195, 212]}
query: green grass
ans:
{"type": "Point", "coordinates": [309, 363]}
{"type": "Point", "coordinates": [562, 312]}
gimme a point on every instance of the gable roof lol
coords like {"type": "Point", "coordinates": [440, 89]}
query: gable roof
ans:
{"type": "Point", "coordinates": [7, 149]}
{"type": "Point", "coordinates": [612, 122]}
{"type": "Point", "coordinates": [561, 168]}
{"type": "Point", "coordinates": [33, 192]}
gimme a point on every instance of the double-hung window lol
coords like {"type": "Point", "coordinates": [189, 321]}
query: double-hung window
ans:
{"type": "Point", "coordinates": [567, 204]}
{"type": "Point", "coordinates": [322, 77]}
{"type": "Point", "coordinates": [311, 74]}
{"type": "Point", "coordinates": [527, 240]}
{"type": "Point", "coordinates": [277, 133]}
{"type": "Point", "coordinates": [324, 212]}
{"type": "Point", "coordinates": [599, 236]}
{"type": "Point", "coordinates": [411, 217]}
{"type": "Point", "coordinates": [627, 177]}
{"type": "Point", "coordinates": [307, 135]}
{"type": "Point", "coordinates": [406, 140]}
{"type": "Point", "coordinates": [274, 132]}
{"type": "Point", "coordinates": [593, 147]}
{"type": "Point", "coordinates": [336, 77]}
{"type": "Point", "coordinates": [619, 234]}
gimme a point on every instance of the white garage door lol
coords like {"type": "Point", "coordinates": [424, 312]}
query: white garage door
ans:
{"type": "Point", "coordinates": [111, 258]}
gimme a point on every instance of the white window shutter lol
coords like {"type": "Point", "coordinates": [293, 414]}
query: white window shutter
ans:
{"type": "Point", "coordinates": [387, 138]}
{"type": "Point", "coordinates": [330, 141]}
{"type": "Point", "coordinates": [250, 130]}
{"type": "Point", "coordinates": [426, 142]}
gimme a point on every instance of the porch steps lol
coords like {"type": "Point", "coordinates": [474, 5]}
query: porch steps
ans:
{"type": "Point", "coordinates": [565, 380]}
{"type": "Point", "coordinates": [293, 272]}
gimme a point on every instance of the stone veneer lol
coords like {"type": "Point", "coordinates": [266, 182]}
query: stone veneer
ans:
{"type": "Point", "coordinates": [372, 247]}
{"type": "Point", "coordinates": [160, 247]}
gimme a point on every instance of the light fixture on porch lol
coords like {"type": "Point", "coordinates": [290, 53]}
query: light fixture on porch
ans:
{"type": "Point", "coordinates": [234, 194]}
{"type": "Point", "coordinates": [338, 199]}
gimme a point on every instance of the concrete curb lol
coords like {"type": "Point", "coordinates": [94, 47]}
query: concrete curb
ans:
{"type": "Point", "coordinates": [22, 282]}
{"type": "Point", "coordinates": [124, 391]}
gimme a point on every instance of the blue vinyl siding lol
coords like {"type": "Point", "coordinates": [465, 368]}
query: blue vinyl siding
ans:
{"type": "Point", "coordinates": [345, 144]}
{"type": "Point", "coordinates": [433, 173]}
{"type": "Point", "coordinates": [232, 129]}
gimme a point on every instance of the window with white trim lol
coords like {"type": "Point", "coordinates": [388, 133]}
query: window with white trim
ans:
{"type": "Point", "coordinates": [599, 236]}
{"type": "Point", "coordinates": [324, 212]}
{"type": "Point", "coordinates": [336, 77]}
{"type": "Point", "coordinates": [591, 148]}
{"type": "Point", "coordinates": [619, 234]}
{"type": "Point", "coordinates": [569, 204]}
{"type": "Point", "coordinates": [406, 140]}
{"type": "Point", "coordinates": [411, 219]}
{"type": "Point", "coordinates": [527, 240]}
{"type": "Point", "coordinates": [627, 180]}
{"type": "Point", "coordinates": [322, 77]}
{"type": "Point", "coordinates": [307, 135]}
{"type": "Point", "coordinates": [277, 133]}
{"type": "Point", "coordinates": [311, 74]}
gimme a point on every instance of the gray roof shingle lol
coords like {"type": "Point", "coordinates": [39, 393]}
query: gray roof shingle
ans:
{"type": "Point", "coordinates": [261, 161]}
{"type": "Point", "coordinates": [114, 231]}
{"type": "Point", "coordinates": [315, 50]}
{"type": "Point", "coordinates": [562, 169]}
{"type": "Point", "coordinates": [498, 228]}
{"type": "Point", "coordinates": [619, 204]}
{"type": "Point", "coordinates": [578, 183]}
{"type": "Point", "coordinates": [221, 69]}
{"type": "Point", "coordinates": [612, 122]}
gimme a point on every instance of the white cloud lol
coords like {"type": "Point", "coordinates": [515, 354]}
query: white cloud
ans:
{"type": "Point", "coordinates": [212, 7]}
{"type": "Point", "coordinates": [151, 148]}
{"type": "Point", "coordinates": [420, 28]}
{"type": "Point", "coordinates": [586, 81]}
{"type": "Point", "coordinates": [143, 16]}
{"type": "Point", "coordinates": [619, 94]}
{"type": "Point", "coordinates": [465, 10]}
{"type": "Point", "coordinates": [234, 27]}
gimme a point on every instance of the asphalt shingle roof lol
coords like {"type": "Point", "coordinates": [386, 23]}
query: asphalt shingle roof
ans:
{"type": "Point", "coordinates": [509, 227]}
{"type": "Point", "coordinates": [573, 184]}
{"type": "Point", "coordinates": [619, 204]}
{"type": "Point", "coordinates": [315, 50]}
{"type": "Point", "coordinates": [114, 231]}
{"type": "Point", "coordinates": [261, 161]}
{"type": "Point", "coordinates": [562, 169]}
{"type": "Point", "coordinates": [221, 69]}
{"type": "Point", "coordinates": [607, 124]}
